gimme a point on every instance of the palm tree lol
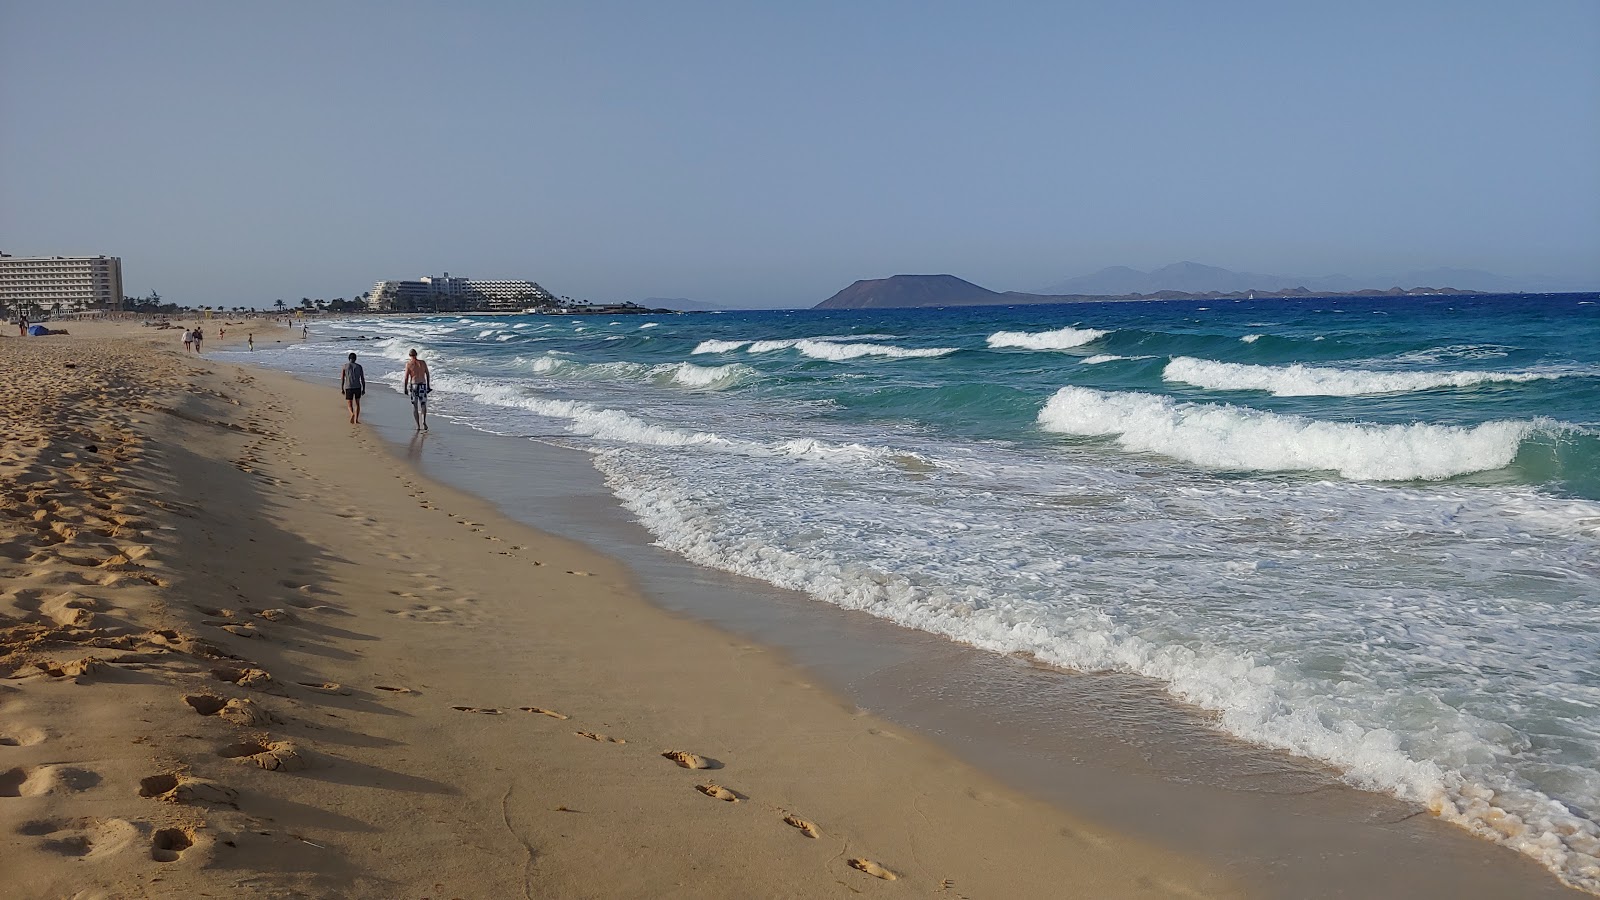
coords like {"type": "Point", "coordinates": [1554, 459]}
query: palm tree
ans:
{"type": "Point", "coordinates": [279, 304]}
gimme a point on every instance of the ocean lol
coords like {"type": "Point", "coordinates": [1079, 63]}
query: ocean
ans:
{"type": "Point", "coordinates": [1363, 531]}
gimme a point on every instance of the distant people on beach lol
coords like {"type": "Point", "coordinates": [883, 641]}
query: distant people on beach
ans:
{"type": "Point", "coordinates": [250, 339]}
{"type": "Point", "coordinates": [22, 325]}
{"type": "Point", "coordinates": [418, 384]}
{"type": "Point", "coordinates": [353, 381]}
{"type": "Point", "coordinates": [305, 332]}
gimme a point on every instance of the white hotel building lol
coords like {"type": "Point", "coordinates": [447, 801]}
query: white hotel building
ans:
{"type": "Point", "coordinates": [442, 293]}
{"type": "Point", "coordinates": [37, 284]}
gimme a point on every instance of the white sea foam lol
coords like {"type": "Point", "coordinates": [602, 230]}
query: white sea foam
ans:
{"type": "Point", "coordinates": [1059, 339]}
{"type": "Point", "coordinates": [718, 346]}
{"type": "Point", "coordinates": [1255, 700]}
{"type": "Point", "coordinates": [817, 349]}
{"type": "Point", "coordinates": [769, 346]}
{"type": "Point", "coordinates": [1232, 437]}
{"type": "Point", "coordinates": [1250, 338]}
{"type": "Point", "coordinates": [708, 377]}
{"type": "Point", "coordinates": [1099, 358]}
{"type": "Point", "coordinates": [1455, 352]}
{"type": "Point", "coordinates": [1306, 381]}
{"type": "Point", "coordinates": [682, 374]}
{"type": "Point", "coordinates": [649, 325]}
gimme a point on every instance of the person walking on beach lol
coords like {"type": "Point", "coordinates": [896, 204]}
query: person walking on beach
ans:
{"type": "Point", "coordinates": [188, 340]}
{"type": "Point", "coordinates": [22, 324]}
{"type": "Point", "coordinates": [353, 381]}
{"type": "Point", "coordinates": [418, 384]}
{"type": "Point", "coordinates": [250, 339]}
{"type": "Point", "coordinates": [198, 337]}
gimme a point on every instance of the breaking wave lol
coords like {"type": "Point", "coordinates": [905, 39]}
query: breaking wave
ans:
{"type": "Point", "coordinates": [1306, 381]}
{"type": "Point", "coordinates": [1222, 436]}
{"type": "Point", "coordinates": [1059, 339]}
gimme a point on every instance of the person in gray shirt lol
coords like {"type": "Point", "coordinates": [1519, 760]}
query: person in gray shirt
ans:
{"type": "Point", "coordinates": [353, 381]}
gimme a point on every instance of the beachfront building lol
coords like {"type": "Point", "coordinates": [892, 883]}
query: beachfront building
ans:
{"type": "Point", "coordinates": [443, 293]}
{"type": "Point", "coordinates": [59, 284]}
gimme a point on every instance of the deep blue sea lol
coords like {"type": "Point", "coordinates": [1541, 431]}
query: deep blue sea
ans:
{"type": "Point", "coordinates": [1365, 531]}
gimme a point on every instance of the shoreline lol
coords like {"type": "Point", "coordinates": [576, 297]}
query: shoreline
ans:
{"type": "Point", "coordinates": [1128, 754]}
{"type": "Point", "coordinates": [394, 591]}
{"type": "Point", "coordinates": [289, 665]}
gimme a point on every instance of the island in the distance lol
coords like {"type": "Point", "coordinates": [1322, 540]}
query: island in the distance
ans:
{"type": "Point", "coordinates": [911, 291]}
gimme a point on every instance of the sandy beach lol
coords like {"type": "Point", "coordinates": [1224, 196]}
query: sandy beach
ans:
{"type": "Point", "coordinates": [250, 653]}
{"type": "Point", "coordinates": [249, 650]}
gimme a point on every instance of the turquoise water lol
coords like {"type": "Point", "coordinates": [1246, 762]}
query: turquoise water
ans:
{"type": "Point", "coordinates": [1363, 531]}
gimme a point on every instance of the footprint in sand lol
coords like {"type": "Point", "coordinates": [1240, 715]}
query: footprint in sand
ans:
{"type": "Point", "coordinates": [484, 710]}
{"type": "Point", "coordinates": [255, 679]}
{"type": "Point", "coordinates": [172, 787]}
{"type": "Point", "coordinates": [872, 868]}
{"type": "Point", "coordinates": [84, 837]}
{"type": "Point", "coordinates": [807, 828]}
{"type": "Point", "coordinates": [168, 844]}
{"type": "Point", "coordinates": [274, 756]}
{"type": "Point", "coordinates": [543, 712]}
{"type": "Point", "coordinates": [599, 737]}
{"type": "Point", "coordinates": [237, 710]}
{"type": "Point", "coordinates": [393, 689]}
{"type": "Point", "coordinates": [691, 760]}
{"type": "Point", "coordinates": [712, 789]}
{"type": "Point", "coordinates": [326, 687]}
{"type": "Point", "coordinates": [49, 779]}
{"type": "Point", "coordinates": [27, 737]}
{"type": "Point", "coordinates": [575, 572]}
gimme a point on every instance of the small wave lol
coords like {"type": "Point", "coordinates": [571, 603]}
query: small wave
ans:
{"type": "Point", "coordinates": [841, 352]}
{"type": "Point", "coordinates": [1059, 339]}
{"type": "Point", "coordinates": [1099, 358]}
{"type": "Point", "coordinates": [717, 346]}
{"type": "Point", "coordinates": [1309, 381]}
{"type": "Point", "coordinates": [767, 346]}
{"type": "Point", "coordinates": [649, 325]}
{"type": "Point", "coordinates": [1457, 352]}
{"type": "Point", "coordinates": [682, 374]}
{"type": "Point", "coordinates": [1231, 437]}
{"type": "Point", "coordinates": [1251, 338]}
{"type": "Point", "coordinates": [705, 377]}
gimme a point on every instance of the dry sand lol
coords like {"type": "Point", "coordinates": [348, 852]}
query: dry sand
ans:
{"type": "Point", "coordinates": [245, 651]}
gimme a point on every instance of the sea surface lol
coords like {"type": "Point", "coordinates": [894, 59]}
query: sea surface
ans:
{"type": "Point", "coordinates": [1364, 531]}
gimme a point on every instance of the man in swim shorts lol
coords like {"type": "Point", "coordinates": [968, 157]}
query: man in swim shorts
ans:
{"type": "Point", "coordinates": [353, 381]}
{"type": "Point", "coordinates": [418, 384]}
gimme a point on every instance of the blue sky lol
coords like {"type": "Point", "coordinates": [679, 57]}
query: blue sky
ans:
{"type": "Point", "coordinates": [770, 154]}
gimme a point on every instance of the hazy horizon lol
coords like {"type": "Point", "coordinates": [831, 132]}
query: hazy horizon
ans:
{"type": "Point", "coordinates": [770, 157]}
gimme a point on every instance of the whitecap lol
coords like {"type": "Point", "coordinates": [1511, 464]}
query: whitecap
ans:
{"type": "Point", "coordinates": [1299, 380]}
{"type": "Point", "coordinates": [1059, 339]}
{"type": "Point", "coordinates": [1231, 437]}
{"type": "Point", "coordinates": [841, 352]}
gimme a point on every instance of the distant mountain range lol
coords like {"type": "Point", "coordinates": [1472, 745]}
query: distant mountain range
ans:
{"type": "Point", "coordinates": [1193, 277]}
{"type": "Point", "coordinates": [1177, 281]}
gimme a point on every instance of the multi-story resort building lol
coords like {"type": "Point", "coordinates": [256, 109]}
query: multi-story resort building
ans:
{"type": "Point", "coordinates": [58, 284]}
{"type": "Point", "coordinates": [442, 293]}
